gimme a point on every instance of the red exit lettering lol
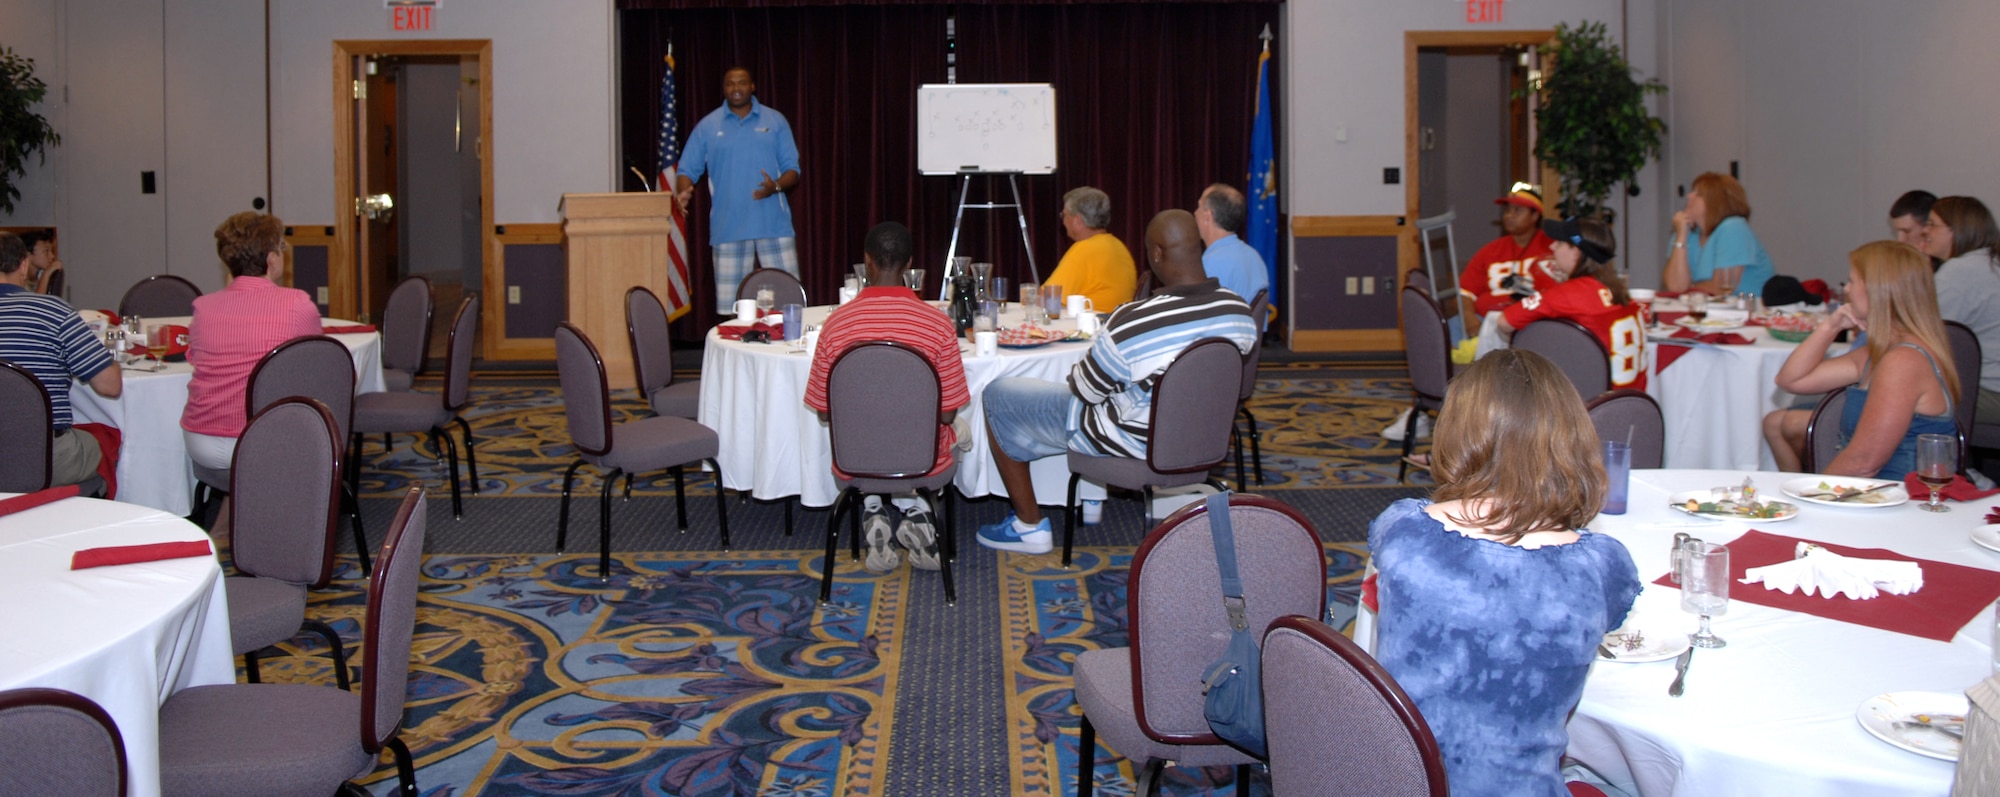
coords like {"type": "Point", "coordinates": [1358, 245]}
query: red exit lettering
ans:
{"type": "Point", "coordinates": [1483, 11]}
{"type": "Point", "coordinates": [411, 18]}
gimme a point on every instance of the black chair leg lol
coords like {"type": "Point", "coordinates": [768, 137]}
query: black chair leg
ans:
{"type": "Point", "coordinates": [604, 525]}
{"type": "Point", "coordinates": [944, 549]}
{"type": "Point", "coordinates": [1409, 444]}
{"type": "Point", "coordinates": [951, 521]}
{"type": "Point", "coordinates": [1086, 758]}
{"type": "Point", "coordinates": [1149, 509]}
{"type": "Point", "coordinates": [250, 672]}
{"type": "Point", "coordinates": [788, 516]}
{"type": "Point", "coordinates": [471, 462]}
{"type": "Point", "coordinates": [406, 769]}
{"type": "Point", "coordinates": [855, 509]}
{"type": "Point", "coordinates": [1256, 447]}
{"type": "Point", "coordinates": [628, 488]}
{"type": "Point", "coordinates": [722, 504]}
{"type": "Point", "coordinates": [360, 536]}
{"type": "Point", "coordinates": [562, 516]}
{"type": "Point", "coordinates": [450, 448]}
{"type": "Point", "coordinates": [386, 443]}
{"type": "Point", "coordinates": [1149, 778]}
{"type": "Point", "coordinates": [680, 495]}
{"type": "Point", "coordinates": [832, 542]}
{"type": "Point", "coordinates": [1070, 518]}
{"type": "Point", "coordinates": [334, 648]}
{"type": "Point", "coordinates": [1236, 446]}
{"type": "Point", "coordinates": [1243, 779]}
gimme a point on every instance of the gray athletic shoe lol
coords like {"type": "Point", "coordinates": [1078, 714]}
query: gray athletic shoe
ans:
{"type": "Point", "coordinates": [919, 535]}
{"type": "Point", "coordinates": [882, 554]}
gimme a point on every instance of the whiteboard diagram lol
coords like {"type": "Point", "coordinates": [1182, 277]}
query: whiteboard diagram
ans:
{"type": "Point", "coordinates": [993, 127]}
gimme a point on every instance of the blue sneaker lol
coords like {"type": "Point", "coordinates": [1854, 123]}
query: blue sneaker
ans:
{"type": "Point", "coordinates": [1005, 536]}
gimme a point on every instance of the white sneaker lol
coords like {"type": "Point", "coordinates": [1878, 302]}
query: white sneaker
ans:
{"type": "Point", "coordinates": [879, 533]}
{"type": "Point", "coordinates": [1394, 431]}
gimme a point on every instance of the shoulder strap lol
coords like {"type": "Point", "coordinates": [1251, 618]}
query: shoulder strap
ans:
{"type": "Point", "coordinates": [1939, 374]}
{"type": "Point", "coordinates": [1225, 560]}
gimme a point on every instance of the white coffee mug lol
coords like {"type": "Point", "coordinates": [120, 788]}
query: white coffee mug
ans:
{"type": "Point", "coordinates": [1087, 323]}
{"type": "Point", "coordinates": [986, 344]}
{"type": "Point", "coordinates": [1080, 304]}
{"type": "Point", "coordinates": [746, 310]}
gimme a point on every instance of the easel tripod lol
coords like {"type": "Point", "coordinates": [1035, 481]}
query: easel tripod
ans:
{"type": "Point", "coordinates": [958, 220]}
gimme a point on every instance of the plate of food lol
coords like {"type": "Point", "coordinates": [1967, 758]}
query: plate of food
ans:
{"type": "Point", "coordinates": [1710, 324]}
{"type": "Point", "coordinates": [1843, 491]}
{"type": "Point", "coordinates": [1028, 337]}
{"type": "Point", "coordinates": [1987, 537]}
{"type": "Point", "coordinates": [1721, 504]}
{"type": "Point", "coordinates": [1632, 645]}
{"type": "Point", "coordinates": [1926, 723]}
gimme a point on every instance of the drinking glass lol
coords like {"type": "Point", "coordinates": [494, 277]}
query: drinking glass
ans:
{"type": "Point", "coordinates": [914, 280]}
{"type": "Point", "coordinates": [1697, 303]}
{"type": "Point", "coordinates": [1725, 280]}
{"type": "Point", "coordinates": [766, 299]}
{"type": "Point", "coordinates": [1705, 589]}
{"type": "Point", "coordinates": [1052, 301]}
{"type": "Point", "coordinates": [987, 319]}
{"type": "Point", "coordinates": [1937, 456]}
{"type": "Point", "coordinates": [999, 292]}
{"type": "Point", "coordinates": [1617, 475]}
{"type": "Point", "coordinates": [861, 270]}
{"type": "Point", "coordinates": [1031, 300]}
{"type": "Point", "coordinates": [158, 340]}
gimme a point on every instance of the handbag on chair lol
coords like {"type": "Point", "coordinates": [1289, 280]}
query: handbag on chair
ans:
{"type": "Point", "coordinates": [1231, 686]}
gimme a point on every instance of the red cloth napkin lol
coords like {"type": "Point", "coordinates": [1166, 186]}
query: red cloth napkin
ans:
{"type": "Point", "coordinates": [1368, 593]}
{"type": "Point", "coordinates": [1668, 318]}
{"type": "Point", "coordinates": [734, 332]}
{"type": "Point", "coordinates": [109, 440]}
{"type": "Point", "coordinates": [1668, 294]}
{"type": "Point", "coordinates": [27, 501]}
{"type": "Point", "coordinates": [1718, 338]}
{"type": "Point", "coordinates": [132, 554]}
{"type": "Point", "coordinates": [347, 329]}
{"type": "Point", "coordinates": [1958, 490]}
{"type": "Point", "coordinates": [1951, 596]}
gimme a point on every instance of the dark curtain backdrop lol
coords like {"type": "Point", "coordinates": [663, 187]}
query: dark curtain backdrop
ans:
{"type": "Point", "coordinates": [1154, 102]}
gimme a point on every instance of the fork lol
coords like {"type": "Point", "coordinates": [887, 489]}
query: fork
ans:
{"type": "Point", "coordinates": [1955, 730]}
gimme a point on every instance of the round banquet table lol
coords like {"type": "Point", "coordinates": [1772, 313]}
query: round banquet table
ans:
{"type": "Point", "coordinates": [753, 396]}
{"type": "Point", "coordinates": [1715, 397]}
{"type": "Point", "coordinates": [126, 636]}
{"type": "Point", "coordinates": [153, 465]}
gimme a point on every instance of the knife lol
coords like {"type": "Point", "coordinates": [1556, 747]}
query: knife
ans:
{"type": "Point", "coordinates": [1859, 493]}
{"type": "Point", "coordinates": [1680, 672]}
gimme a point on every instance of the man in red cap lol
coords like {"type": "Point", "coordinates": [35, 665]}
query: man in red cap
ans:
{"type": "Point", "coordinates": [1492, 279]}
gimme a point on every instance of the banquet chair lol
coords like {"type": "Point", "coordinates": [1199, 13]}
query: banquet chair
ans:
{"type": "Point", "coordinates": [875, 391]}
{"type": "Point", "coordinates": [1259, 308]}
{"type": "Point", "coordinates": [285, 493]}
{"type": "Point", "coordinates": [653, 357]}
{"type": "Point", "coordinates": [431, 413]}
{"type": "Point", "coordinates": [785, 288]}
{"type": "Point", "coordinates": [318, 367]}
{"type": "Point", "coordinates": [647, 444]}
{"type": "Point", "coordinates": [54, 741]}
{"type": "Point", "coordinates": [1336, 723]}
{"type": "Point", "coordinates": [261, 739]}
{"type": "Point", "coordinates": [1427, 349]}
{"type": "Point", "coordinates": [1194, 411]}
{"type": "Point", "coordinates": [1419, 279]}
{"type": "Point", "coordinates": [1145, 285]}
{"type": "Point", "coordinates": [1823, 430]}
{"type": "Point", "coordinates": [1631, 416]}
{"type": "Point", "coordinates": [1573, 349]}
{"type": "Point", "coordinates": [59, 284]}
{"type": "Point", "coordinates": [1146, 699]}
{"type": "Point", "coordinates": [27, 436]}
{"type": "Point", "coordinates": [159, 295]}
{"type": "Point", "coordinates": [1967, 354]}
{"type": "Point", "coordinates": [406, 334]}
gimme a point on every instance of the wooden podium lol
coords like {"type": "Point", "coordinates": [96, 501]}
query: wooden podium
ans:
{"type": "Point", "coordinates": [613, 242]}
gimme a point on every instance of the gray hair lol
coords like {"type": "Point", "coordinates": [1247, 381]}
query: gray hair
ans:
{"type": "Point", "coordinates": [1091, 205]}
{"type": "Point", "coordinates": [1227, 205]}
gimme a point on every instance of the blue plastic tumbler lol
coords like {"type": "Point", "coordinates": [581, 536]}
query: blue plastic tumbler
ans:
{"type": "Point", "coordinates": [795, 322]}
{"type": "Point", "coordinates": [1617, 475]}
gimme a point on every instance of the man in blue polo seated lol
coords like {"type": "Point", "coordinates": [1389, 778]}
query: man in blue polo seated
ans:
{"type": "Point", "coordinates": [1105, 408]}
{"type": "Point", "coordinates": [44, 336]}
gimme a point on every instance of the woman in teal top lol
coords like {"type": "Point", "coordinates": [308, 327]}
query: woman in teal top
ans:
{"type": "Point", "coordinates": [1901, 383]}
{"type": "Point", "coordinates": [1712, 234]}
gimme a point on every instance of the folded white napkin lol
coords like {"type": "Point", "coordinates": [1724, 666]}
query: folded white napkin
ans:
{"type": "Point", "coordinates": [1819, 571]}
{"type": "Point", "coordinates": [1730, 315]}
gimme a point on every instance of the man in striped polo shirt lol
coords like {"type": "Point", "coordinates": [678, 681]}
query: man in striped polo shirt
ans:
{"type": "Point", "coordinates": [43, 335]}
{"type": "Point", "coordinates": [1106, 409]}
{"type": "Point", "coordinates": [888, 311]}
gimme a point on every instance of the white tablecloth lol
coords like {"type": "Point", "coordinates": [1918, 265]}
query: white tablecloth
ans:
{"type": "Point", "coordinates": [1773, 713]}
{"type": "Point", "coordinates": [126, 636]}
{"type": "Point", "coordinates": [153, 465]}
{"type": "Point", "coordinates": [753, 396]}
{"type": "Point", "coordinates": [1715, 399]}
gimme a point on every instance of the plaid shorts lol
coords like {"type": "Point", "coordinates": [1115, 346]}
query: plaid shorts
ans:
{"type": "Point", "coordinates": [736, 259]}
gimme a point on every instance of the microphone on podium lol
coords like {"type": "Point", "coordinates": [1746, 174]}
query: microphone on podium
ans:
{"type": "Point", "coordinates": [642, 178]}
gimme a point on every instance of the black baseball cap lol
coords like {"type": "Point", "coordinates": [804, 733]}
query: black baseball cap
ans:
{"type": "Point", "coordinates": [1570, 232]}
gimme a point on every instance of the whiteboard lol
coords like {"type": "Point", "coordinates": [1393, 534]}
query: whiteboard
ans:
{"type": "Point", "coordinates": [993, 127]}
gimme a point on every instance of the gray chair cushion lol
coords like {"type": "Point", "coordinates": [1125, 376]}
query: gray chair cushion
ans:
{"type": "Point", "coordinates": [57, 742]}
{"type": "Point", "coordinates": [1104, 690]}
{"type": "Point", "coordinates": [650, 444]}
{"type": "Point", "coordinates": [1128, 473]}
{"type": "Point", "coordinates": [259, 740]}
{"type": "Point", "coordinates": [263, 612]}
{"type": "Point", "coordinates": [395, 380]}
{"type": "Point", "coordinates": [375, 413]}
{"type": "Point", "coordinates": [936, 481]}
{"type": "Point", "coordinates": [678, 400]}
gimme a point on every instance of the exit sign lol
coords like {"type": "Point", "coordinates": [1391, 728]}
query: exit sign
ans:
{"type": "Point", "coordinates": [1484, 11]}
{"type": "Point", "coordinates": [411, 14]}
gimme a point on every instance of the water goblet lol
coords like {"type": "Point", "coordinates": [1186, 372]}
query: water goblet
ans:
{"type": "Point", "coordinates": [999, 292]}
{"type": "Point", "coordinates": [914, 280]}
{"type": "Point", "coordinates": [1697, 304]}
{"type": "Point", "coordinates": [1725, 281]}
{"type": "Point", "coordinates": [1937, 456]}
{"type": "Point", "coordinates": [982, 273]}
{"type": "Point", "coordinates": [766, 299]}
{"type": "Point", "coordinates": [1705, 589]}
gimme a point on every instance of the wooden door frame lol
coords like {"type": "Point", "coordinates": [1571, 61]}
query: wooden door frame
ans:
{"type": "Point", "coordinates": [1412, 41]}
{"type": "Point", "coordinates": [341, 279]}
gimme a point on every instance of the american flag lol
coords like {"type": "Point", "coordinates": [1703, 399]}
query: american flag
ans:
{"type": "Point", "coordinates": [678, 296]}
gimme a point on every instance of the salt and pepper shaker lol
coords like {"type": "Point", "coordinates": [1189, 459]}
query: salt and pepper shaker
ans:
{"type": "Point", "coordinates": [1681, 539]}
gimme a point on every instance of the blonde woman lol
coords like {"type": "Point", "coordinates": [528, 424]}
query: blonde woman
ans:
{"type": "Point", "coordinates": [1902, 383]}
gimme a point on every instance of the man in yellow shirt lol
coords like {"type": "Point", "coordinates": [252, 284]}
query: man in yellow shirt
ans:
{"type": "Point", "coordinates": [1097, 265]}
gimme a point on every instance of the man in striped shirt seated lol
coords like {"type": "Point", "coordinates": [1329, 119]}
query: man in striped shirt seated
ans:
{"type": "Point", "coordinates": [888, 311]}
{"type": "Point", "coordinates": [44, 336]}
{"type": "Point", "coordinates": [1106, 408]}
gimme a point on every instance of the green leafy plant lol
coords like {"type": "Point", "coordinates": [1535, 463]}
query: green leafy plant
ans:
{"type": "Point", "coordinates": [23, 132]}
{"type": "Point", "coordinates": [1592, 126]}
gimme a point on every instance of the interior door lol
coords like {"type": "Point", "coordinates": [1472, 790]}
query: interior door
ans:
{"type": "Point", "coordinates": [375, 250]}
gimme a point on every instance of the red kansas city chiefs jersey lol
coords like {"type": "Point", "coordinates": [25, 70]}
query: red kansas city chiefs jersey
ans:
{"type": "Point", "coordinates": [1485, 277]}
{"type": "Point", "coordinates": [1587, 302]}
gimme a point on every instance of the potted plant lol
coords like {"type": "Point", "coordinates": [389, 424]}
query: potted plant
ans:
{"type": "Point", "coordinates": [23, 132]}
{"type": "Point", "coordinates": [1592, 126]}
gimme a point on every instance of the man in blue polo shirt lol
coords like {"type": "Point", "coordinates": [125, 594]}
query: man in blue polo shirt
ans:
{"type": "Point", "coordinates": [1219, 215]}
{"type": "Point", "coordinates": [44, 336]}
{"type": "Point", "coordinates": [747, 151]}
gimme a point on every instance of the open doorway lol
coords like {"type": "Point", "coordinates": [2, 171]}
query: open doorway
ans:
{"type": "Point", "coordinates": [1471, 138]}
{"type": "Point", "coordinates": [411, 162]}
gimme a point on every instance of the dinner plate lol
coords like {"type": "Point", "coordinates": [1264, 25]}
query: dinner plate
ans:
{"type": "Point", "coordinates": [1033, 345]}
{"type": "Point", "coordinates": [1800, 488]}
{"type": "Point", "coordinates": [1708, 325]}
{"type": "Point", "coordinates": [1882, 715]}
{"type": "Point", "coordinates": [1657, 644]}
{"type": "Point", "coordinates": [1987, 537]}
{"type": "Point", "coordinates": [1679, 501]}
